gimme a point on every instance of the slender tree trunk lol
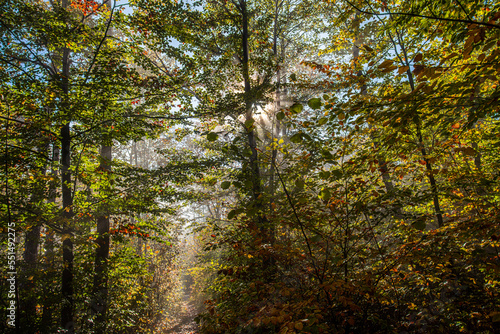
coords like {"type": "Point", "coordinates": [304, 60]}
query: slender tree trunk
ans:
{"type": "Point", "coordinates": [276, 131]}
{"type": "Point", "coordinates": [28, 286]}
{"type": "Point", "coordinates": [428, 165]}
{"type": "Point", "coordinates": [48, 305]}
{"type": "Point", "coordinates": [67, 200]}
{"type": "Point", "coordinates": [67, 237]}
{"type": "Point", "coordinates": [423, 151]}
{"type": "Point", "coordinates": [382, 163]}
{"type": "Point", "coordinates": [249, 120]}
{"type": "Point", "coordinates": [100, 289]}
{"type": "Point", "coordinates": [255, 176]}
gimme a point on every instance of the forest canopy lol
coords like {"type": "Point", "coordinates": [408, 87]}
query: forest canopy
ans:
{"type": "Point", "coordinates": [274, 166]}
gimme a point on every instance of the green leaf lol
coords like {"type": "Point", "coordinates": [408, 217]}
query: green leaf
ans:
{"type": "Point", "coordinates": [212, 136]}
{"type": "Point", "coordinates": [296, 108]}
{"type": "Point", "coordinates": [293, 77]}
{"type": "Point", "coordinates": [303, 199]}
{"type": "Point", "coordinates": [280, 115]}
{"type": "Point", "coordinates": [322, 121]}
{"type": "Point", "coordinates": [231, 214]}
{"type": "Point", "coordinates": [326, 154]}
{"type": "Point", "coordinates": [337, 173]}
{"type": "Point", "coordinates": [324, 175]}
{"type": "Point", "coordinates": [314, 103]}
{"type": "Point", "coordinates": [225, 185]}
{"type": "Point", "coordinates": [296, 138]}
{"type": "Point", "coordinates": [247, 152]}
{"type": "Point", "coordinates": [252, 212]}
{"type": "Point", "coordinates": [324, 194]}
{"type": "Point", "coordinates": [249, 123]}
{"type": "Point", "coordinates": [419, 224]}
{"type": "Point", "coordinates": [316, 238]}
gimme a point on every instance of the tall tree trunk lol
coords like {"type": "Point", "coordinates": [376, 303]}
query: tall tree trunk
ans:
{"type": "Point", "coordinates": [255, 176]}
{"type": "Point", "coordinates": [249, 120]}
{"type": "Point", "coordinates": [276, 123]}
{"type": "Point", "coordinates": [48, 304]}
{"type": "Point", "coordinates": [133, 160]}
{"type": "Point", "coordinates": [67, 200]}
{"type": "Point", "coordinates": [67, 237]}
{"type": "Point", "coordinates": [28, 287]}
{"type": "Point", "coordinates": [100, 290]}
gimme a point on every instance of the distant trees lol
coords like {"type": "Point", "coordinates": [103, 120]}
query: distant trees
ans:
{"type": "Point", "coordinates": [69, 91]}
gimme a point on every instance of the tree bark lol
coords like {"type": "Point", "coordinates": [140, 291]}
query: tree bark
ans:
{"type": "Point", "coordinates": [48, 304]}
{"type": "Point", "coordinates": [99, 305]}
{"type": "Point", "coordinates": [67, 237]}
{"type": "Point", "coordinates": [249, 120]}
{"type": "Point", "coordinates": [67, 200]}
{"type": "Point", "coordinates": [428, 165]}
{"type": "Point", "coordinates": [100, 289]}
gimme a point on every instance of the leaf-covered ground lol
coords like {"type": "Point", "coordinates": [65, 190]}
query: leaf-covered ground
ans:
{"type": "Point", "coordinates": [184, 324]}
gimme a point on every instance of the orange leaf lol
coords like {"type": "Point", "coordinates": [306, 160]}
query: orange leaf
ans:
{"type": "Point", "coordinates": [385, 63]}
{"type": "Point", "coordinates": [403, 69]}
{"type": "Point", "coordinates": [299, 326]}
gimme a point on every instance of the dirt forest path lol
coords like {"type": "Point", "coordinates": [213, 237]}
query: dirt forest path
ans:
{"type": "Point", "coordinates": [185, 323]}
{"type": "Point", "coordinates": [180, 317]}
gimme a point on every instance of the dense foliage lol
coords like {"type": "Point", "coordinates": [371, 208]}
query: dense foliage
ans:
{"type": "Point", "coordinates": [296, 166]}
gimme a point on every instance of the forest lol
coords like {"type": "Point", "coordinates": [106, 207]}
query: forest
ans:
{"type": "Point", "coordinates": [249, 166]}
